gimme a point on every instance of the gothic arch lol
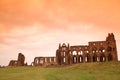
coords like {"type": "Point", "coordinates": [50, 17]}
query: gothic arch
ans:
{"type": "Point", "coordinates": [80, 53]}
{"type": "Point", "coordinates": [102, 58]}
{"type": "Point", "coordinates": [101, 49]}
{"type": "Point", "coordinates": [74, 59]}
{"type": "Point", "coordinates": [94, 58]}
{"type": "Point", "coordinates": [74, 52]}
{"type": "Point", "coordinates": [41, 60]}
{"type": "Point", "coordinates": [36, 61]}
{"type": "Point", "coordinates": [94, 50]}
{"type": "Point", "coordinates": [80, 59]}
{"type": "Point", "coordinates": [87, 58]}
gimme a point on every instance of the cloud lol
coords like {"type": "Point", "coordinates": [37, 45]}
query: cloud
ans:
{"type": "Point", "coordinates": [57, 12]}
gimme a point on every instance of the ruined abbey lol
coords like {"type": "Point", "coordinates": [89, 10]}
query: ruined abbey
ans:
{"type": "Point", "coordinates": [19, 62]}
{"type": "Point", "coordinates": [95, 51]}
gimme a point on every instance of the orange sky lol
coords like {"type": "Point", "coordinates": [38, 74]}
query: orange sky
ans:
{"type": "Point", "coordinates": [36, 27]}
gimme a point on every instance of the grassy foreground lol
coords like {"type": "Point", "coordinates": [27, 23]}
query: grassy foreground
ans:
{"type": "Point", "coordinates": [84, 71]}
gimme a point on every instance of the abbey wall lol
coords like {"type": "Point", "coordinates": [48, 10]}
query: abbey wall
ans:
{"type": "Point", "coordinates": [95, 51]}
{"type": "Point", "coordinates": [19, 61]}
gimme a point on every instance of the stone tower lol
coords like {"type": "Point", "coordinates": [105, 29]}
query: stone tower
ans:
{"type": "Point", "coordinates": [111, 47]}
{"type": "Point", "coordinates": [62, 54]}
{"type": "Point", "coordinates": [21, 59]}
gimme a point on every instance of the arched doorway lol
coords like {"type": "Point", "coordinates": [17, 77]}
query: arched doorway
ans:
{"type": "Point", "coordinates": [102, 58]}
{"type": "Point", "coordinates": [102, 50]}
{"type": "Point", "coordinates": [87, 58]}
{"type": "Point", "coordinates": [74, 59]}
{"type": "Point", "coordinates": [94, 50]}
{"type": "Point", "coordinates": [36, 61]}
{"type": "Point", "coordinates": [80, 59]}
{"type": "Point", "coordinates": [94, 58]}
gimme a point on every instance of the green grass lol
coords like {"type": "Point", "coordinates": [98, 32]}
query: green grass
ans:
{"type": "Point", "coordinates": [84, 71]}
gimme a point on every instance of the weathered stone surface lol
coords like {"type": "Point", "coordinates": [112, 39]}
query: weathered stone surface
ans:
{"type": "Point", "coordinates": [96, 51]}
{"type": "Point", "coordinates": [19, 62]}
{"type": "Point", "coordinates": [13, 63]}
{"type": "Point", "coordinates": [39, 61]}
{"type": "Point", "coordinates": [21, 59]}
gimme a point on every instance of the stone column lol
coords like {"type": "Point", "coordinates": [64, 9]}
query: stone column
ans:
{"type": "Point", "coordinates": [83, 59]}
{"type": "Point", "coordinates": [91, 57]}
{"type": "Point", "coordinates": [43, 60]}
{"type": "Point", "coordinates": [77, 56]}
{"type": "Point", "coordinates": [106, 58]}
{"type": "Point", "coordinates": [70, 59]}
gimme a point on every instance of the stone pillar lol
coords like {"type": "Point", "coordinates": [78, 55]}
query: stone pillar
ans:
{"type": "Point", "coordinates": [77, 56]}
{"type": "Point", "coordinates": [78, 59]}
{"type": "Point", "coordinates": [83, 59]}
{"type": "Point", "coordinates": [43, 60]}
{"type": "Point", "coordinates": [48, 60]}
{"type": "Point", "coordinates": [106, 58]}
{"type": "Point", "coordinates": [61, 60]}
{"type": "Point", "coordinates": [66, 59]}
{"type": "Point", "coordinates": [70, 60]}
{"type": "Point", "coordinates": [91, 58]}
{"type": "Point", "coordinates": [35, 61]}
{"type": "Point", "coordinates": [39, 60]}
{"type": "Point", "coordinates": [54, 59]}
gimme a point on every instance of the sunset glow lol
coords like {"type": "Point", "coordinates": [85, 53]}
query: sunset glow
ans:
{"type": "Point", "coordinates": [36, 27]}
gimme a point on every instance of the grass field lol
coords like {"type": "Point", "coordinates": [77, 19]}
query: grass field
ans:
{"type": "Point", "coordinates": [84, 71]}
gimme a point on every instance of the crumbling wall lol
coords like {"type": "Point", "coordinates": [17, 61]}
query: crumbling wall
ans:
{"type": "Point", "coordinates": [44, 61]}
{"type": "Point", "coordinates": [19, 61]}
{"type": "Point", "coordinates": [95, 51]}
{"type": "Point", "coordinates": [13, 63]}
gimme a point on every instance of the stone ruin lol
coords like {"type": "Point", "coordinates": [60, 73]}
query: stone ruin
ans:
{"type": "Point", "coordinates": [19, 62]}
{"type": "Point", "coordinates": [95, 51]}
{"type": "Point", "coordinates": [44, 61]}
